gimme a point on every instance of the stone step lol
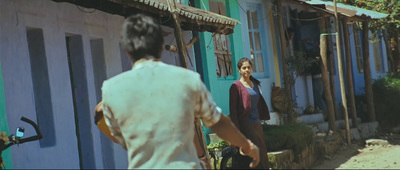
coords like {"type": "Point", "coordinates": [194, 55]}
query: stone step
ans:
{"type": "Point", "coordinates": [364, 131]}
{"type": "Point", "coordinates": [340, 124]}
{"type": "Point", "coordinates": [282, 156]}
{"type": "Point", "coordinates": [287, 159]}
{"type": "Point", "coordinates": [311, 119]}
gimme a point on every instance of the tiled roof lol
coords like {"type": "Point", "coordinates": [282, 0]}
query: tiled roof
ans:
{"type": "Point", "coordinates": [192, 18]}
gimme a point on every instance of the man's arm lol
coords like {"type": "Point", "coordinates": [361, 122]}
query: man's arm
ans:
{"type": "Point", "coordinates": [225, 129]}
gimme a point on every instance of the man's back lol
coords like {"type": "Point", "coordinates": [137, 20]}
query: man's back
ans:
{"type": "Point", "coordinates": [153, 106]}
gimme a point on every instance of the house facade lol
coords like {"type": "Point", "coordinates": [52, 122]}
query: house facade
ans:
{"type": "Point", "coordinates": [54, 58]}
{"type": "Point", "coordinates": [308, 26]}
{"type": "Point", "coordinates": [220, 53]}
{"type": "Point", "coordinates": [260, 41]}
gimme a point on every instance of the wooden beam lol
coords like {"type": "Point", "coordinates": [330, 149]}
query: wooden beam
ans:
{"type": "Point", "coordinates": [323, 63]}
{"type": "Point", "coordinates": [367, 73]}
{"type": "Point", "coordinates": [349, 74]}
{"type": "Point", "coordinates": [173, 48]}
{"type": "Point", "coordinates": [178, 34]}
{"type": "Point", "coordinates": [286, 75]}
{"type": "Point", "coordinates": [341, 79]}
{"type": "Point", "coordinates": [199, 138]}
{"type": "Point", "coordinates": [330, 61]}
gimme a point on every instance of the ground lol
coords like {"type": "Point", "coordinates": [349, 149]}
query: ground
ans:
{"type": "Point", "coordinates": [359, 156]}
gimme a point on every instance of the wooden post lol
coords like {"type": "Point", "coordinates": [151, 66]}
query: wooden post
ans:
{"type": "Point", "coordinates": [332, 74]}
{"type": "Point", "coordinates": [330, 67]}
{"type": "Point", "coordinates": [349, 72]}
{"type": "Point", "coordinates": [178, 33]}
{"type": "Point", "coordinates": [367, 73]}
{"type": "Point", "coordinates": [199, 139]}
{"type": "Point", "coordinates": [327, 91]}
{"type": "Point", "coordinates": [341, 80]}
{"type": "Point", "coordinates": [286, 75]}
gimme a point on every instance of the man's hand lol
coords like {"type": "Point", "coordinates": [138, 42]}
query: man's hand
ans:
{"type": "Point", "coordinates": [225, 129]}
{"type": "Point", "coordinates": [99, 108]}
{"type": "Point", "coordinates": [253, 152]}
{"type": "Point", "coordinates": [100, 122]}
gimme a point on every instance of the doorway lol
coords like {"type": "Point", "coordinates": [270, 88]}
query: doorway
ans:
{"type": "Point", "coordinates": [80, 97]}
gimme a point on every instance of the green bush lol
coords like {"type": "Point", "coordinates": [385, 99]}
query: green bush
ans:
{"type": "Point", "coordinates": [212, 147]}
{"type": "Point", "coordinates": [221, 144]}
{"type": "Point", "coordinates": [387, 101]}
{"type": "Point", "coordinates": [281, 137]}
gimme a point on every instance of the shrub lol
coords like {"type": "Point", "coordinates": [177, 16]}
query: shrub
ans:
{"type": "Point", "coordinates": [293, 136]}
{"type": "Point", "coordinates": [386, 101]}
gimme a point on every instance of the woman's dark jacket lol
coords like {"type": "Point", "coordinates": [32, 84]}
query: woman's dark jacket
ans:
{"type": "Point", "coordinates": [240, 104]}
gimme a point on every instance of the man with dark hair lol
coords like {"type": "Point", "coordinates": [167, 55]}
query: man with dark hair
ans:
{"type": "Point", "coordinates": [142, 38]}
{"type": "Point", "coordinates": [150, 109]}
{"type": "Point", "coordinates": [317, 83]}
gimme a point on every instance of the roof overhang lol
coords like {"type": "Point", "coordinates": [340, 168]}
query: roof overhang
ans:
{"type": "Point", "coordinates": [191, 18]}
{"type": "Point", "coordinates": [353, 13]}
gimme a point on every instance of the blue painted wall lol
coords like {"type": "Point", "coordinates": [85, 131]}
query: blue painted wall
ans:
{"type": "Point", "coordinates": [55, 19]}
{"type": "Point", "coordinates": [358, 78]}
{"type": "Point", "coordinates": [58, 20]}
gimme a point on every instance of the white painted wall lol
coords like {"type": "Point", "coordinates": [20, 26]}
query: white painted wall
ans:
{"type": "Point", "coordinates": [57, 19]}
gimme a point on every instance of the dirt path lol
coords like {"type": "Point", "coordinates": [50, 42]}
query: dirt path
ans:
{"type": "Point", "coordinates": [357, 156]}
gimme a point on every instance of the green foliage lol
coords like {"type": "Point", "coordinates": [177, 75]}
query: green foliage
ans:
{"type": "Point", "coordinates": [219, 145]}
{"type": "Point", "coordinates": [299, 64]}
{"type": "Point", "coordinates": [272, 161]}
{"type": "Point", "coordinates": [392, 23]}
{"type": "Point", "coordinates": [386, 100]}
{"type": "Point", "coordinates": [292, 136]}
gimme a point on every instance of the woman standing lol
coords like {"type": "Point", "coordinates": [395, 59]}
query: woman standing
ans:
{"type": "Point", "coordinates": [247, 108]}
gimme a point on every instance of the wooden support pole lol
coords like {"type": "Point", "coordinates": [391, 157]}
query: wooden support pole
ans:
{"type": "Point", "coordinates": [341, 79]}
{"type": "Point", "coordinates": [199, 139]}
{"type": "Point", "coordinates": [367, 73]}
{"type": "Point", "coordinates": [178, 34]}
{"type": "Point", "coordinates": [173, 48]}
{"type": "Point", "coordinates": [330, 62]}
{"type": "Point", "coordinates": [286, 75]}
{"type": "Point", "coordinates": [327, 91]}
{"type": "Point", "coordinates": [349, 73]}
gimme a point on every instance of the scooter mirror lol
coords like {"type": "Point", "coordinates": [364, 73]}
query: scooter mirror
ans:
{"type": "Point", "coordinates": [19, 132]}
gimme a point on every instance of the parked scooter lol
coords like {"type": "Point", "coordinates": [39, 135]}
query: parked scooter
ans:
{"type": "Point", "coordinates": [17, 139]}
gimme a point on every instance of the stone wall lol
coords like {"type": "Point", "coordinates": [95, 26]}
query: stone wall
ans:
{"type": "Point", "coordinates": [287, 159]}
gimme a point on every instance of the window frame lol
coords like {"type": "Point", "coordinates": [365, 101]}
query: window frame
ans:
{"type": "Point", "coordinates": [378, 56]}
{"type": "Point", "coordinates": [229, 65]}
{"type": "Point", "coordinates": [263, 44]}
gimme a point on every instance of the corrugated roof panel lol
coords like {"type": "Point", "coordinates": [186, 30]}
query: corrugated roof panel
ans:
{"type": "Point", "coordinates": [348, 10]}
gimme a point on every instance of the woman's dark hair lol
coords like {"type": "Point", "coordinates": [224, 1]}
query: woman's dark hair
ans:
{"type": "Point", "coordinates": [240, 64]}
{"type": "Point", "coordinates": [142, 37]}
